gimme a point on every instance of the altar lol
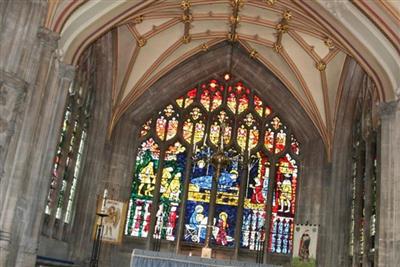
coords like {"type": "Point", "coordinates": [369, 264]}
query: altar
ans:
{"type": "Point", "coordinates": [145, 258]}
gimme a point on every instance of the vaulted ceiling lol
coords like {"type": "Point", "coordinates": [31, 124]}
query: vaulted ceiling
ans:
{"type": "Point", "coordinates": [156, 36]}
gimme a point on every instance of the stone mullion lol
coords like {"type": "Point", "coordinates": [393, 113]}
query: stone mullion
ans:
{"type": "Point", "coordinates": [156, 199]}
{"type": "Point", "coordinates": [240, 208]}
{"type": "Point", "coordinates": [181, 221]}
{"type": "Point", "coordinates": [369, 164]}
{"type": "Point", "coordinates": [268, 217]}
{"type": "Point", "coordinates": [357, 206]}
{"type": "Point", "coordinates": [83, 159]}
{"type": "Point", "coordinates": [70, 174]}
{"type": "Point", "coordinates": [61, 168]}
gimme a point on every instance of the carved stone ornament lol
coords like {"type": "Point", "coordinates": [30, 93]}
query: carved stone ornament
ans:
{"type": "Point", "coordinates": [232, 37]}
{"type": "Point", "coordinates": [186, 39]}
{"type": "Point", "coordinates": [48, 37]}
{"type": "Point", "coordinates": [204, 47]}
{"type": "Point", "coordinates": [66, 71]}
{"type": "Point", "coordinates": [321, 66]}
{"type": "Point", "coordinates": [138, 20]}
{"type": "Point", "coordinates": [141, 42]}
{"type": "Point", "coordinates": [185, 4]}
{"type": "Point", "coordinates": [187, 18]}
{"type": "Point", "coordinates": [270, 2]}
{"type": "Point", "coordinates": [287, 15]}
{"type": "Point", "coordinates": [277, 47]}
{"type": "Point", "coordinates": [388, 108]}
{"type": "Point", "coordinates": [253, 53]}
{"type": "Point", "coordinates": [234, 20]}
{"type": "Point", "coordinates": [329, 43]}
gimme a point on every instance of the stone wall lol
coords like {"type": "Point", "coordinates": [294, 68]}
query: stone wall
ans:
{"type": "Point", "coordinates": [388, 223]}
{"type": "Point", "coordinates": [33, 86]}
{"type": "Point", "coordinates": [333, 246]}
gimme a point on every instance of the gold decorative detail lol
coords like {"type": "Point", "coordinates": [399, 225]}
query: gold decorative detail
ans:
{"type": "Point", "coordinates": [321, 66]}
{"type": "Point", "coordinates": [237, 3]}
{"type": "Point", "coordinates": [287, 15]}
{"type": "Point", "coordinates": [253, 53]}
{"type": "Point", "coordinates": [185, 4]}
{"type": "Point", "coordinates": [141, 42]}
{"type": "Point", "coordinates": [187, 18]}
{"type": "Point", "coordinates": [277, 47]}
{"type": "Point", "coordinates": [329, 43]}
{"type": "Point", "coordinates": [232, 37]}
{"type": "Point", "coordinates": [270, 2]}
{"type": "Point", "coordinates": [138, 19]}
{"type": "Point", "coordinates": [280, 27]}
{"type": "Point", "coordinates": [204, 47]}
{"type": "Point", "coordinates": [186, 39]}
{"type": "Point", "coordinates": [234, 20]}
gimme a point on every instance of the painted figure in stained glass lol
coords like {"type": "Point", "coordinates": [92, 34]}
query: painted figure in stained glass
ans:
{"type": "Point", "coordinates": [147, 180]}
{"type": "Point", "coordinates": [285, 194]}
{"type": "Point", "coordinates": [170, 189]}
{"type": "Point", "coordinates": [254, 215]}
{"type": "Point", "coordinates": [222, 225]}
{"type": "Point", "coordinates": [283, 206]}
{"type": "Point", "coordinates": [147, 161]}
{"type": "Point", "coordinates": [196, 222]}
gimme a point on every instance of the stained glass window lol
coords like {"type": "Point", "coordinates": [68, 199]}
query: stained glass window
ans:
{"type": "Point", "coordinates": [363, 182]}
{"type": "Point", "coordinates": [283, 206]}
{"type": "Point", "coordinates": [67, 163]}
{"type": "Point", "coordinates": [147, 162]}
{"type": "Point", "coordinates": [176, 145]}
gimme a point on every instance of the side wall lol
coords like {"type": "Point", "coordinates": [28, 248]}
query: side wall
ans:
{"type": "Point", "coordinates": [33, 87]}
{"type": "Point", "coordinates": [333, 247]}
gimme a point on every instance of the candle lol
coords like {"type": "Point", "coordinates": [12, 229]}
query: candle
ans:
{"type": "Point", "coordinates": [105, 196]}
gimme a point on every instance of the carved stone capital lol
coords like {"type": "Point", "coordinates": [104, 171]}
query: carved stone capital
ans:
{"type": "Point", "coordinates": [388, 108]}
{"type": "Point", "coordinates": [66, 71]}
{"type": "Point", "coordinates": [48, 37]}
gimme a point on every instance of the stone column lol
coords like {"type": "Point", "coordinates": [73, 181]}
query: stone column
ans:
{"type": "Point", "coordinates": [30, 151]}
{"type": "Point", "coordinates": [12, 97]}
{"type": "Point", "coordinates": [388, 224]}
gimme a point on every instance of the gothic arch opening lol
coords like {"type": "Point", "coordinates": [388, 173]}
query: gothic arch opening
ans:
{"type": "Point", "coordinates": [166, 96]}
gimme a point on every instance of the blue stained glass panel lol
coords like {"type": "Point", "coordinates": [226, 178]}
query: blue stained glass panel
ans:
{"type": "Point", "coordinates": [196, 221]}
{"type": "Point", "coordinates": [254, 214]}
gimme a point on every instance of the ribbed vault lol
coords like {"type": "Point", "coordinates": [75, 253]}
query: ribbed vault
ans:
{"type": "Point", "coordinates": [303, 44]}
{"type": "Point", "coordinates": [220, 59]}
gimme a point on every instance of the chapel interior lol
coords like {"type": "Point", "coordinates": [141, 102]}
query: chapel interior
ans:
{"type": "Point", "coordinates": [200, 133]}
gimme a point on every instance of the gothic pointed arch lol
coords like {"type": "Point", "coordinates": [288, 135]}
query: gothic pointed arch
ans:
{"type": "Point", "coordinates": [180, 120]}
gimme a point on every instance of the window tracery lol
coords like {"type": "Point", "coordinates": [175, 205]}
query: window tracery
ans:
{"type": "Point", "coordinates": [364, 180]}
{"type": "Point", "coordinates": [263, 152]}
{"type": "Point", "coordinates": [68, 157]}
